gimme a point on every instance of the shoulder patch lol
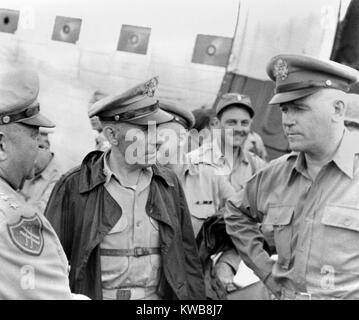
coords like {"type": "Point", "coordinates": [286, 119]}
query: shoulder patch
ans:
{"type": "Point", "coordinates": [27, 234]}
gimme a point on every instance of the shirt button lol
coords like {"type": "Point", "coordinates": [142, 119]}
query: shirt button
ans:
{"type": "Point", "coordinates": [347, 222]}
{"type": "Point", "coordinates": [138, 223]}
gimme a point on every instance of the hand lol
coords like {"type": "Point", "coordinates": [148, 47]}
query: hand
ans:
{"type": "Point", "coordinates": [225, 274]}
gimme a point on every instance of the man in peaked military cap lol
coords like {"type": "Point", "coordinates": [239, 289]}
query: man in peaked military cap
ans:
{"type": "Point", "coordinates": [205, 187]}
{"type": "Point", "coordinates": [123, 221]}
{"type": "Point", "coordinates": [308, 199]}
{"type": "Point", "coordinates": [101, 142]}
{"type": "Point", "coordinates": [33, 263]}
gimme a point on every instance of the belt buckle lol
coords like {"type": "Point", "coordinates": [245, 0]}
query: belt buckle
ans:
{"type": "Point", "coordinates": [139, 251]}
{"type": "Point", "coordinates": [305, 295]}
{"type": "Point", "coordinates": [122, 294]}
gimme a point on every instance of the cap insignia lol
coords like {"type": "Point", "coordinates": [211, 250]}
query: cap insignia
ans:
{"type": "Point", "coordinates": [280, 69]}
{"type": "Point", "coordinates": [151, 86]}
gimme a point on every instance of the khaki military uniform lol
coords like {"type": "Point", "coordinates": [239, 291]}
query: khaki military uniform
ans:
{"type": "Point", "coordinates": [315, 225]}
{"type": "Point", "coordinates": [238, 170]}
{"type": "Point", "coordinates": [33, 263]}
{"type": "Point", "coordinates": [125, 275]}
{"type": "Point", "coordinates": [206, 190]}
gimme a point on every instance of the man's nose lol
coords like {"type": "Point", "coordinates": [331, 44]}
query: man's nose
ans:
{"type": "Point", "coordinates": [288, 119]}
{"type": "Point", "coordinates": [239, 127]}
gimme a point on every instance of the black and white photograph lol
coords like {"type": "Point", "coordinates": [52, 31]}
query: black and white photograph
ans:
{"type": "Point", "coordinates": [201, 151]}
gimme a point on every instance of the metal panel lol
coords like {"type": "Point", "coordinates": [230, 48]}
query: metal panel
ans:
{"type": "Point", "coordinates": [66, 29]}
{"type": "Point", "coordinates": [9, 20]}
{"type": "Point", "coordinates": [212, 50]}
{"type": "Point", "coordinates": [346, 46]}
{"type": "Point", "coordinates": [134, 39]}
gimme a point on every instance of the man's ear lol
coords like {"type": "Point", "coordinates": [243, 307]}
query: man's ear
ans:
{"type": "Point", "coordinates": [110, 134]}
{"type": "Point", "coordinates": [3, 155]}
{"type": "Point", "coordinates": [339, 110]}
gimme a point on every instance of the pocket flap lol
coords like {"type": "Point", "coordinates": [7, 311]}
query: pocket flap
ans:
{"type": "Point", "coordinates": [279, 215]}
{"type": "Point", "coordinates": [341, 217]}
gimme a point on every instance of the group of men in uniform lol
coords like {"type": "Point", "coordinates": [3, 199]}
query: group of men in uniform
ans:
{"type": "Point", "coordinates": [123, 224]}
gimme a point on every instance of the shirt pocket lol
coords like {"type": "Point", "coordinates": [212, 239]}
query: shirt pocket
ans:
{"type": "Point", "coordinates": [279, 218]}
{"type": "Point", "coordinates": [340, 246]}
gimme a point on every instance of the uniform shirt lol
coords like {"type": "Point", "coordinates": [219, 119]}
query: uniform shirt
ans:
{"type": "Point", "coordinates": [206, 190]}
{"type": "Point", "coordinates": [315, 224]}
{"type": "Point", "coordinates": [238, 169]}
{"type": "Point", "coordinates": [37, 190]}
{"type": "Point", "coordinates": [134, 229]}
{"type": "Point", "coordinates": [33, 263]}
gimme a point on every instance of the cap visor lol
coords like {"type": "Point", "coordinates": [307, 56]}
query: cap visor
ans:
{"type": "Point", "coordinates": [159, 116]}
{"type": "Point", "coordinates": [38, 121]}
{"type": "Point", "coordinates": [292, 95]}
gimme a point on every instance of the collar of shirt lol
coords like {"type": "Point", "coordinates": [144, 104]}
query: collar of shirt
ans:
{"type": "Point", "coordinates": [189, 166]}
{"type": "Point", "coordinates": [343, 157]}
{"type": "Point", "coordinates": [145, 175]}
{"type": "Point", "coordinates": [239, 157]}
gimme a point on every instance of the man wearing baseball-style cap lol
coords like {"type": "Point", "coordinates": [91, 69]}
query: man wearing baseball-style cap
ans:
{"type": "Point", "coordinates": [308, 199]}
{"type": "Point", "coordinates": [124, 221]}
{"type": "Point", "coordinates": [234, 113]}
{"type": "Point", "coordinates": [33, 263]}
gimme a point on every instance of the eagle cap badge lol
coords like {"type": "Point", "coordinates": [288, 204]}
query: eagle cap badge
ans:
{"type": "Point", "coordinates": [151, 87]}
{"type": "Point", "coordinates": [280, 69]}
